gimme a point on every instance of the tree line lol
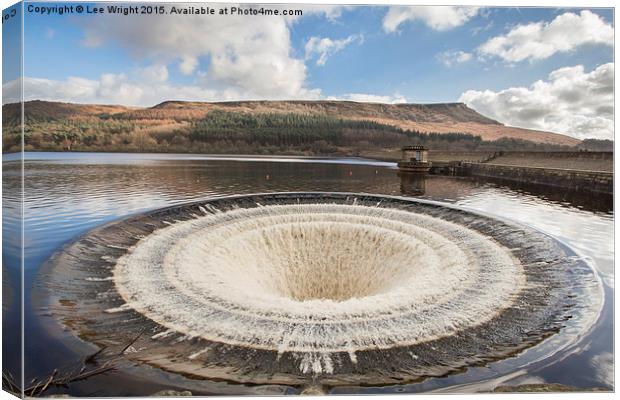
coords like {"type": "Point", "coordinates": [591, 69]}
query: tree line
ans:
{"type": "Point", "coordinates": [237, 132]}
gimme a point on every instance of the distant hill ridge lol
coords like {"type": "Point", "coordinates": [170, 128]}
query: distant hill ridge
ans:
{"type": "Point", "coordinates": [437, 112]}
{"type": "Point", "coordinates": [439, 118]}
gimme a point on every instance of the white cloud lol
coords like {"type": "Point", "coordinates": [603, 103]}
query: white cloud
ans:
{"type": "Point", "coordinates": [228, 58]}
{"type": "Point", "coordinates": [451, 58]}
{"type": "Point", "coordinates": [11, 91]}
{"type": "Point", "coordinates": [440, 18]}
{"type": "Point", "coordinates": [188, 65]}
{"type": "Point", "coordinates": [571, 101]}
{"type": "Point", "coordinates": [35, 88]}
{"type": "Point", "coordinates": [137, 91]}
{"type": "Point", "coordinates": [331, 12]}
{"type": "Point", "coordinates": [248, 55]}
{"type": "Point", "coordinates": [396, 98]}
{"type": "Point", "coordinates": [483, 28]}
{"type": "Point", "coordinates": [326, 47]}
{"type": "Point", "coordinates": [134, 90]}
{"type": "Point", "coordinates": [154, 73]}
{"type": "Point", "coordinates": [540, 40]}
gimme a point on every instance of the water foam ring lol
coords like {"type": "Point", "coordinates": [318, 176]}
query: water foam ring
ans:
{"type": "Point", "coordinates": [336, 288]}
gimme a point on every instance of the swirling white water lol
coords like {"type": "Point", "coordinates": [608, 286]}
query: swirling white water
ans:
{"type": "Point", "coordinates": [318, 278]}
{"type": "Point", "coordinates": [338, 288]}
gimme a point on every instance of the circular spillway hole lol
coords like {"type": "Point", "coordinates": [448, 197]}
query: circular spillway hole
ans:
{"type": "Point", "coordinates": [325, 260]}
{"type": "Point", "coordinates": [288, 287]}
{"type": "Point", "coordinates": [265, 270]}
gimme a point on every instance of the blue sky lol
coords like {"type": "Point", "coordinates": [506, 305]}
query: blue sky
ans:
{"type": "Point", "coordinates": [489, 58]}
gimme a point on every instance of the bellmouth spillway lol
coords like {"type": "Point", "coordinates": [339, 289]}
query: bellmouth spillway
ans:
{"type": "Point", "coordinates": [333, 288]}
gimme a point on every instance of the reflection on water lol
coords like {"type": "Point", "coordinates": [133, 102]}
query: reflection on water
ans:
{"type": "Point", "coordinates": [412, 184]}
{"type": "Point", "coordinates": [69, 194]}
{"type": "Point", "coordinates": [11, 276]}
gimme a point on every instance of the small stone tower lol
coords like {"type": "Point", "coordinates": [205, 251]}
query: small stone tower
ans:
{"type": "Point", "coordinates": [415, 153]}
{"type": "Point", "coordinates": [414, 160]}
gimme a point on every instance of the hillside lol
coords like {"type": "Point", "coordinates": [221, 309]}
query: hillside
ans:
{"type": "Point", "coordinates": [431, 113]}
{"type": "Point", "coordinates": [38, 110]}
{"type": "Point", "coordinates": [439, 118]}
{"type": "Point", "coordinates": [295, 127]}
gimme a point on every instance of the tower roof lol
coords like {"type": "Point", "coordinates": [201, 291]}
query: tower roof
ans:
{"type": "Point", "coordinates": [414, 147]}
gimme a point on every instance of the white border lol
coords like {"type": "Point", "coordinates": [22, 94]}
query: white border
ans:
{"type": "Point", "coordinates": [521, 3]}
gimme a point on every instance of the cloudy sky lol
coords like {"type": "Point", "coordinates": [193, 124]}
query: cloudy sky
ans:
{"type": "Point", "coordinates": [540, 68]}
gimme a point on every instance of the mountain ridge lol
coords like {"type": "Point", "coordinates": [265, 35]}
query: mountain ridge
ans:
{"type": "Point", "coordinates": [427, 118]}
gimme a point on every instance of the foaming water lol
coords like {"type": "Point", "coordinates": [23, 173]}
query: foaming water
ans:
{"type": "Point", "coordinates": [288, 270]}
{"type": "Point", "coordinates": [327, 287]}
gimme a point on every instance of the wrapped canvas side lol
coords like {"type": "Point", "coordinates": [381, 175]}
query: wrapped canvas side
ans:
{"type": "Point", "coordinates": [12, 200]}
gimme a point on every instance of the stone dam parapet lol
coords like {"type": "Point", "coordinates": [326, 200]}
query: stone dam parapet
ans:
{"type": "Point", "coordinates": [577, 180]}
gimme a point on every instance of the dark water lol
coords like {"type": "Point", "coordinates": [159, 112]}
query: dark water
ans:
{"type": "Point", "coordinates": [68, 194]}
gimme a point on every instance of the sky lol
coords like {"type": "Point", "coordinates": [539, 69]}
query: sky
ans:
{"type": "Point", "coordinates": [540, 68]}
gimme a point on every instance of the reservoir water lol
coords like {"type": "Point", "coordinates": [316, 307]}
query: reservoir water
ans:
{"type": "Point", "coordinates": [68, 194]}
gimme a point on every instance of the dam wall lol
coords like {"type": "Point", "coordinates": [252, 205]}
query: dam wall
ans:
{"type": "Point", "coordinates": [571, 179]}
{"type": "Point", "coordinates": [574, 160]}
{"type": "Point", "coordinates": [456, 155]}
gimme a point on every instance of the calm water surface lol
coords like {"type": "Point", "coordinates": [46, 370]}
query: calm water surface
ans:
{"type": "Point", "coordinates": [67, 194]}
